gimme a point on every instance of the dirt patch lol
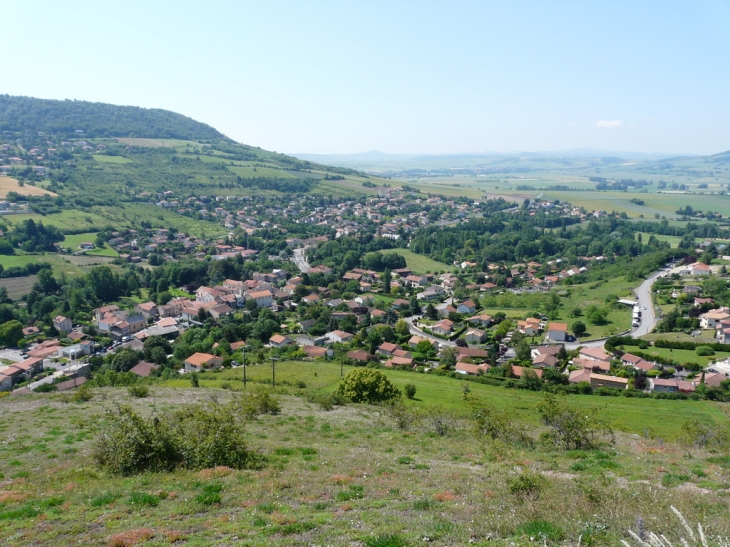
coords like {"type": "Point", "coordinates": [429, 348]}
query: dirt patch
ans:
{"type": "Point", "coordinates": [9, 184]}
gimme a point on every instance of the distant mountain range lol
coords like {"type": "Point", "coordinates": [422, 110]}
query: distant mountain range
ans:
{"type": "Point", "coordinates": [375, 157]}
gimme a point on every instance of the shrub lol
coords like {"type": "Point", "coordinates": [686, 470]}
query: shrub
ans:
{"type": "Point", "coordinates": [46, 388]}
{"type": "Point", "coordinates": [704, 434]}
{"type": "Point", "coordinates": [498, 425]}
{"type": "Point", "coordinates": [403, 416]}
{"type": "Point", "coordinates": [367, 385]}
{"type": "Point", "coordinates": [327, 401]}
{"type": "Point", "coordinates": [139, 390]}
{"type": "Point", "coordinates": [82, 394]}
{"type": "Point", "coordinates": [704, 351]}
{"type": "Point", "coordinates": [571, 429]}
{"type": "Point", "coordinates": [257, 403]}
{"type": "Point", "coordinates": [194, 437]}
{"type": "Point", "coordinates": [527, 485]}
{"type": "Point", "coordinates": [410, 390]}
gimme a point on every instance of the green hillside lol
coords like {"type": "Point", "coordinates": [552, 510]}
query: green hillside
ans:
{"type": "Point", "coordinates": [20, 114]}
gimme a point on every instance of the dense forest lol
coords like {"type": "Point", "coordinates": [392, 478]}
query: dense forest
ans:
{"type": "Point", "coordinates": [20, 114]}
{"type": "Point", "coordinates": [502, 238]}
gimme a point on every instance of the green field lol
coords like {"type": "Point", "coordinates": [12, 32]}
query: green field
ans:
{"type": "Point", "coordinates": [71, 266]}
{"type": "Point", "coordinates": [625, 414]}
{"type": "Point", "coordinates": [66, 220]}
{"type": "Point", "coordinates": [110, 159]}
{"type": "Point", "coordinates": [73, 241]}
{"type": "Point", "coordinates": [419, 264]}
{"type": "Point", "coordinates": [346, 476]}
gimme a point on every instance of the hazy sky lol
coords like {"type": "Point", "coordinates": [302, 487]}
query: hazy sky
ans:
{"type": "Point", "coordinates": [397, 76]}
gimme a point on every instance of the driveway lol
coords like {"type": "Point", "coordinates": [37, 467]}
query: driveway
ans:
{"type": "Point", "coordinates": [418, 332]}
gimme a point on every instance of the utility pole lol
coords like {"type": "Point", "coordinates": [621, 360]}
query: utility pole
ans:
{"type": "Point", "coordinates": [243, 350]}
{"type": "Point", "coordinates": [273, 371]}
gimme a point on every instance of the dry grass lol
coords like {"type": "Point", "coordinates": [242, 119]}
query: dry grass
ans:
{"type": "Point", "coordinates": [338, 478]}
{"type": "Point", "coordinates": [9, 184]}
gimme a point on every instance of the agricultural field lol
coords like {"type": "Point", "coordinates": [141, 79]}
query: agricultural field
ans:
{"type": "Point", "coordinates": [349, 476]}
{"type": "Point", "coordinates": [9, 184]}
{"type": "Point", "coordinates": [18, 286]}
{"type": "Point", "coordinates": [69, 265]}
{"type": "Point", "coordinates": [69, 219]}
{"type": "Point", "coordinates": [110, 159]}
{"type": "Point", "coordinates": [419, 264]}
{"type": "Point", "coordinates": [156, 143]}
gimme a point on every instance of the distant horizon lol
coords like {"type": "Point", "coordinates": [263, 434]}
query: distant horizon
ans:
{"type": "Point", "coordinates": [584, 150]}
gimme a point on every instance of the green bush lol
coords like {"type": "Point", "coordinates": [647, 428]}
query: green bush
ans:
{"type": "Point", "coordinates": [571, 429]}
{"type": "Point", "coordinates": [194, 437]}
{"type": "Point", "coordinates": [82, 394]}
{"type": "Point", "coordinates": [139, 390]}
{"type": "Point", "coordinates": [704, 351]}
{"type": "Point", "coordinates": [410, 390]}
{"type": "Point", "coordinates": [327, 401]}
{"type": "Point", "coordinates": [367, 385]}
{"type": "Point", "coordinates": [257, 403]}
{"type": "Point", "coordinates": [527, 485]}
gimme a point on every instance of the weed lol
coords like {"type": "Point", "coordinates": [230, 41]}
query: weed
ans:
{"type": "Point", "coordinates": [386, 540]}
{"type": "Point", "coordinates": [267, 508]}
{"type": "Point", "coordinates": [405, 460]}
{"type": "Point", "coordinates": [541, 529]}
{"type": "Point", "coordinates": [144, 499]}
{"type": "Point", "coordinates": [210, 494]}
{"type": "Point", "coordinates": [355, 492]}
{"type": "Point", "coordinates": [106, 498]}
{"type": "Point", "coordinates": [422, 505]}
{"type": "Point", "coordinates": [259, 521]}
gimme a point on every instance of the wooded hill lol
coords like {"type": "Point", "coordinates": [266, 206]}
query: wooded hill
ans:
{"type": "Point", "coordinates": [28, 114]}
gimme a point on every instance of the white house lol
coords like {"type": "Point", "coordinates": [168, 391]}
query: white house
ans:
{"type": "Point", "coordinates": [263, 299]}
{"type": "Point", "coordinates": [340, 336]}
{"type": "Point", "coordinates": [712, 318]}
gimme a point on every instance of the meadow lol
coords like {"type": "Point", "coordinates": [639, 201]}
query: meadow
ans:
{"type": "Point", "coordinates": [349, 476]}
{"type": "Point", "coordinates": [420, 264]}
{"type": "Point", "coordinates": [9, 184]}
{"type": "Point", "coordinates": [73, 241]}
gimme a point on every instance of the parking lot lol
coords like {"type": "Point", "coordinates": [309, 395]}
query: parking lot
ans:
{"type": "Point", "coordinates": [721, 366]}
{"type": "Point", "coordinates": [11, 355]}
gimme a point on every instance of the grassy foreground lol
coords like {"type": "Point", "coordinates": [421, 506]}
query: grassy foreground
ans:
{"type": "Point", "coordinates": [341, 477]}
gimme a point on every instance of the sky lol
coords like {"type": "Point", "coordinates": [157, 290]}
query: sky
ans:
{"type": "Point", "coordinates": [399, 76]}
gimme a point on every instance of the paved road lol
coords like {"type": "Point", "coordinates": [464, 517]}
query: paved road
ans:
{"type": "Point", "coordinates": [300, 260]}
{"type": "Point", "coordinates": [648, 317]}
{"type": "Point", "coordinates": [418, 332]}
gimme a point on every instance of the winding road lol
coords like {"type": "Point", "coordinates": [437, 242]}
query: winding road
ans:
{"type": "Point", "coordinates": [648, 317]}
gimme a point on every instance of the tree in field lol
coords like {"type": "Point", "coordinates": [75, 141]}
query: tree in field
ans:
{"type": "Point", "coordinates": [523, 352]}
{"type": "Point", "coordinates": [431, 312]}
{"type": "Point", "coordinates": [402, 328]}
{"type": "Point", "coordinates": [579, 328]}
{"type": "Point", "coordinates": [410, 390]}
{"type": "Point", "coordinates": [448, 357]}
{"type": "Point", "coordinates": [125, 360]}
{"type": "Point", "coordinates": [10, 333]}
{"type": "Point", "coordinates": [367, 385]}
{"type": "Point", "coordinates": [387, 278]}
